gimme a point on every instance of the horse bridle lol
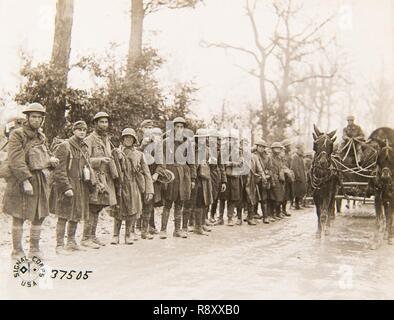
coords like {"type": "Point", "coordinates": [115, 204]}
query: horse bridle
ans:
{"type": "Point", "coordinates": [316, 181]}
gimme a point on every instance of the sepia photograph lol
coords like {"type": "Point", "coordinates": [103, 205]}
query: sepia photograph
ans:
{"type": "Point", "coordinates": [196, 150]}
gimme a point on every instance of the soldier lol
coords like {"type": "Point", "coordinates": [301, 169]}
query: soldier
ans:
{"type": "Point", "coordinates": [179, 190]}
{"type": "Point", "coordinates": [288, 177]}
{"type": "Point", "coordinates": [27, 192]}
{"type": "Point", "coordinates": [264, 185]}
{"type": "Point", "coordinates": [243, 203]}
{"type": "Point", "coordinates": [235, 187]}
{"type": "Point", "coordinates": [72, 181]}
{"type": "Point", "coordinates": [201, 194]}
{"type": "Point", "coordinates": [218, 174]}
{"type": "Point", "coordinates": [134, 186]}
{"type": "Point", "coordinates": [277, 190]}
{"type": "Point", "coordinates": [99, 149]}
{"type": "Point", "coordinates": [159, 175]}
{"type": "Point", "coordinates": [355, 133]}
{"type": "Point", "coordinates": [254, 177]}
{"type": "Point", "coordinates": [298, 167]}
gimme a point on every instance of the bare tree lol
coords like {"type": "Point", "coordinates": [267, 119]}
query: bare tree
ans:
{"type": "Point", "coordinates": [139, 10]}
{"type": "Point", "coordinates": [380, 98]}
{"type": "Point", "coordinates": [260, 58]}
{"type": "Point", "coordinates": [295, 49]}
{"type": "Point", "coordinates": [292, 51]}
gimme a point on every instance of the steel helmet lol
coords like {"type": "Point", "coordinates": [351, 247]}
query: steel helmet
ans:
{"type": "Point", "coordinates": [147, 122]}
{"type": "Point", "coordinates": [99, 115]}
{"type": "Point", "coordinates": [129, 132]}
{"type": "Point", "coordinates": [179, 120]}
{"type": "Point", "coordinates": [261, 142]}
{"type": "Point", "coordinates": [286, 143]}
{"type": "Point", "coordinates": [277, 145]}
{"type": "Point", "coordinates": [213, 133]}
{"type": "Point", "coordinates": [156, 131]}
{"type": "Point", "coordinates": [34, 107]}
{"type": "Point", "coordinates": [202, 132]}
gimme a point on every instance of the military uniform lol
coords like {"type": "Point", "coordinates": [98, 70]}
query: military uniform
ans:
{"type": "Point", "coordinates": [179, 190]}
{"type": "Point", "coordinates": [299, 184]}
{"type": "Point", "coordinates": [99, 146]}
{"type": "Point", "coordinates": [29, 163]}
{"type": "Point", "coordinates": [71, 174]}
{"type": "Point", "coordinates": [135, 182]}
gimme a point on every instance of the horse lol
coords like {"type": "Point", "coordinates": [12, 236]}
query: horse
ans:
{"type": "Point", "coordinates": [324, 179]}
{"type": "Point", "coordinates": [384, 185]}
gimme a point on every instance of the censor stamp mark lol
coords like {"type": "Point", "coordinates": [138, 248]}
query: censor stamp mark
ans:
{"type": "Point", "coordinates": [29, 271]}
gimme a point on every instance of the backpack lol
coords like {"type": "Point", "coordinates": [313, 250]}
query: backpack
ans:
{"type": "Point", "coordinates": [5, 171]}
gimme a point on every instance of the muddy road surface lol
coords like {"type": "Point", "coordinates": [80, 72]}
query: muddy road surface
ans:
{"type": "Point", "coordinates": [282, 260]}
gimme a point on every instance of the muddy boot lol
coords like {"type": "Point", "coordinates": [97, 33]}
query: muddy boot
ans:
{"type": "Point", "coordinates": [132, 227]}
{"type": "Point", "coordinates": [128, 237]}
{"type": "Point", "coordinates": [178, 233]}
{"type": "Point", "coordinates": [115, 236]}
{"type": "Point", "coordinates": [164, 221]}
{"type": "Point", "coordinates": [250, 219]}
{"type": "Point", "coordinates": [230, 214]}
{"type": "Point", "coordinates": [60, 234]}
{"type": "Point", "coordinates": [71, 242]}
{"type": "Point", "coordinates": [152, 227]}
{"type": "Point", "coordinates": [145, 227]}
{"type": "Point", "coordinates": [94, 223]}
{"type": "Point", "coordinates": [17, 233]}
{"type": "Point", "coordinates": [35, 235]}
{"type": "Point", "coordinates": [187, 213]}
{"type": "Point", "coordinates": [239, 222]}
{"type": "Point", "coordinates": [198, 228]}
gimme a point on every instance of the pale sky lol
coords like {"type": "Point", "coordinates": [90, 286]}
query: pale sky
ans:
{"type": "Point", "coordinates": [365, 30]}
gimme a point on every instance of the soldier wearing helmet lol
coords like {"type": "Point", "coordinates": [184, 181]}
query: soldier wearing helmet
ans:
{"type": "Point", "coordinates": [73, 180]}
{"type": "Point", "coordinates": [201, 196]}
{"type": "Point", "coordinates": [134, 186]}
{"type": "Point", "coordinates": [218, 175]}
{"type": "Point", "coordinates": [152, 144]}
{"type": "Point", "coordinates": [235, 188]}
{"type": "Point", "coordinates": [277, 190]}
{"type": "Point", "coordinates": [179, 190]}
{"type": "Point", "coordinates": [286, 156]}
{"type": "Point", "coordinates": [27, 190]}
{"type": "Point", "coordinates": [100, 152]}
{"type": "Point", "coordinates": [265, 183]}
{"type": "Point", "coordinates": [300, 182]}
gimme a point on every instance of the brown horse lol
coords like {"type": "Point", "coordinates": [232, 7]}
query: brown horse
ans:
{"type": "Point", "coordinates": [384, 185]}
{"type": "Point", "coordinates": [324, 179]}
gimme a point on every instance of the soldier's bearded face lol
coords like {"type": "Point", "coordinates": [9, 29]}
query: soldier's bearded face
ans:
{"type": "Point", "coordinates": [80, 133]}
{"type": "Point", "coordinates": [35, 119]}
{"type": "Point", "coordinates": [103, 124]}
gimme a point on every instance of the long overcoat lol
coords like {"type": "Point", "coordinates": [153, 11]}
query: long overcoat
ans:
{"type": "Point", "coordinates": [299, 184]}
{"type": "Point", "coordinates": [25, 144]}
{"type": "Point", "coordinates": [68, 175]}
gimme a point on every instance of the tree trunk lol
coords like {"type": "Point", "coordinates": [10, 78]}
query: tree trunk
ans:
{"type": "Point", "coordinates": [264, 101]}
{"type": "Point", "coordinates": [135, 42]}
{"type": "Point", "coordinates": [60, 63]}
{"type": "Point", "coordinates": [62, 38]}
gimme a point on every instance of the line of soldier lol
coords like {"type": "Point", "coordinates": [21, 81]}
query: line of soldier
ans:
{"type": "Point", "coordinates": [85, 174]}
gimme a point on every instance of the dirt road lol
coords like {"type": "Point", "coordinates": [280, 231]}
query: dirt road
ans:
{"type": "Point", "coordinates": [282, 260]}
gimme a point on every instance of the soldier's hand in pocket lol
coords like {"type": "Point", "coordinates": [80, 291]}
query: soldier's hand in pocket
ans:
{"type": "Point", "coordinates": [149, 197]}
{"type": "Point", "coordinates": [193, 184]}
{"type": "Point", "coordinates": [27, 188]}
{"type": "Point", "coordinates": [223, 187]}
{"type": "Point", "coordinates": [69, 193]}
